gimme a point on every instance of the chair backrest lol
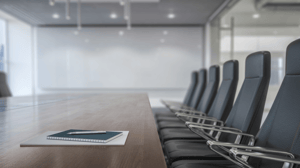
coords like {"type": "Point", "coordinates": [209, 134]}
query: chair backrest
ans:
{"type": "Point", "coordinates": [191, 90]}
{"type": "Point", "coordinates": [4, 89]}
{"type": "Point", "coordinates": [247, 110]}
{"type": "Point", "coordinates": [210, 90]}
{"type": "Point", "coordinates": [281, 127]}
{"type": "Point", "coordinates": [224, 99]}
{"type": "Point", "coordinates": [199, 89]}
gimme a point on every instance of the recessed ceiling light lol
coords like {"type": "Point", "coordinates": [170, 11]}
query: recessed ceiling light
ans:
{"type": "Point", "coordinates": [171, 16]}
{"type": "Point", "coordinates": [121, 33]}
{"type": "Point", "coordinates": [55, 16]}
{"type": "Point", "coordinates": [162, 40]}
{"type": "Point", "coordinates": [113, 16]}
{"type": "Point", "coordinates": [256, 16]}
{"type": "Point", "coordinates": [166, 32]}
{"type": "Point", "coordinates": [51, 2]}
{"type": "Point", "coordinates": [76, 32]}
{"type": "Point", "coordinates": [122, 3]}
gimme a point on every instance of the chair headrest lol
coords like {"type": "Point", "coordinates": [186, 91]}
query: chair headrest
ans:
{"type": "Point", "coordinates": [256, 64]}
{"type": "Point", "coordinates": [202, 74]}
{"type": "Point", "coordinates": [214, 73]}
{"type": "Point", "coordinates": [231, 70]}
{"type": "Point", "coordinates": [194, 76]}
{"type": "Point", "coordinates": [293, 58]}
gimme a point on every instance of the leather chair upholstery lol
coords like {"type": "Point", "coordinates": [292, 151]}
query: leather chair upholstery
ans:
{"type": "Point", "coordinates": [220, 108]}
{"type": "Point", "coordinates": [280, 130]}
{"type": "Point", "coordinates": [199, 89]}
{"type": "Point", "coordinates": [4, 89]}
{"type": "Point", "coordinates": [210, 90]}
{"type": "Point", "coordinates": [245, 115]}
{"type": "Point", "coordinates": [191, 90]}
{"type": "Point", "coordinates": [223, 101]}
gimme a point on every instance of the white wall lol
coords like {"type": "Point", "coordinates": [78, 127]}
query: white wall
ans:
{"type": "Point", "coordinates": [19, 55]}
{"type": "Point", "coordinates": [100, 58]}
{"type": "Point", "coordinates": [138, 63]}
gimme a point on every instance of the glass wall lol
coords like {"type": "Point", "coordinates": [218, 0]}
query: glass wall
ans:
{"type": "Point", "coordinates": [250, 27]}
{"type": "Point", "coordinates": [2, 45]}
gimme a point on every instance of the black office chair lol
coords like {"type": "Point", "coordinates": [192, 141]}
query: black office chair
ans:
{"type": "Point", "coordinates": [224, 99]}
{"type": "Point", "coordinates": [196, 96]}
{"type": "Point", "coordinates": [220, 108]}
{"type": "Point", "coordinates": [278, 140]}
{"type": "Point", "coordinates": [187, 100]}
{"type": "Point", "coordinates": [245, 115]}
{"type": "Point", "coordinates": [205, 102]}
{"type": "Point", "coordinates": [204, 105]}
{"type": "Point", "coordinates": [4, 89]}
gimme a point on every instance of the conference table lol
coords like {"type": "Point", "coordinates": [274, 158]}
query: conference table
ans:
{"type": "Point", "coordinates": [22, 118]}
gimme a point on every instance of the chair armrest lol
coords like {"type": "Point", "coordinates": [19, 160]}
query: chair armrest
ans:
{"type": "Point", "coordinates": [206, 118]}
{"type": "Point", "coordinates": [267, 155]}
{"type": "Point", "coordinates": [232, 130]}
{"type": "Point", "coordinates": [263, 153]}
{"type": "Point", "coordinates": [182, 114]}
{"type": "Point", "coordinates": [202, 117]}
{"type": "Point", "coordinates": [229, 131]}
{"type": "Point", "coordinates": [213, 126]}
{"type": "Point", "coordinates": [189, 117]}
{"type": "Point", "coordinates": [209, 136]}
{"type": "Point", "coordinates": [254, 148]}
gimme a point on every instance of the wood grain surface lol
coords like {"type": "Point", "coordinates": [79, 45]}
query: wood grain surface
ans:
{"type": "Point", "coordinates": [126, 112]}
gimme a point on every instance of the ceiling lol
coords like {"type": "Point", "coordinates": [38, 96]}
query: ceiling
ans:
{"type": "Point", "coordinates": [243, 13]}
{"type": "Point", "coordinates": [39, 12]}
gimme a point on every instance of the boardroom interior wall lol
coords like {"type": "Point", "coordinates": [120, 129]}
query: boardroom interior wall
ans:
{"type": "Point", "coordinates": [250, 35]}
{"type": "Point", "coordinates": [23, 59]}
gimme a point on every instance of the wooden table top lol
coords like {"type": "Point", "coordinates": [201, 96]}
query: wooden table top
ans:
{"type": "Point", "coordinates": [124, 112]}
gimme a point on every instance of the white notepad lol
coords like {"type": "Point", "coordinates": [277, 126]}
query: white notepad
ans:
{"type": "Point", "coordinates": [41, 140]}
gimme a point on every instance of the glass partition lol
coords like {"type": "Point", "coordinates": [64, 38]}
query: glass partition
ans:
{"type": "Point", "coordinates": [3, 47]}
{"type": "Point", "coordinates": [249, 27]}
